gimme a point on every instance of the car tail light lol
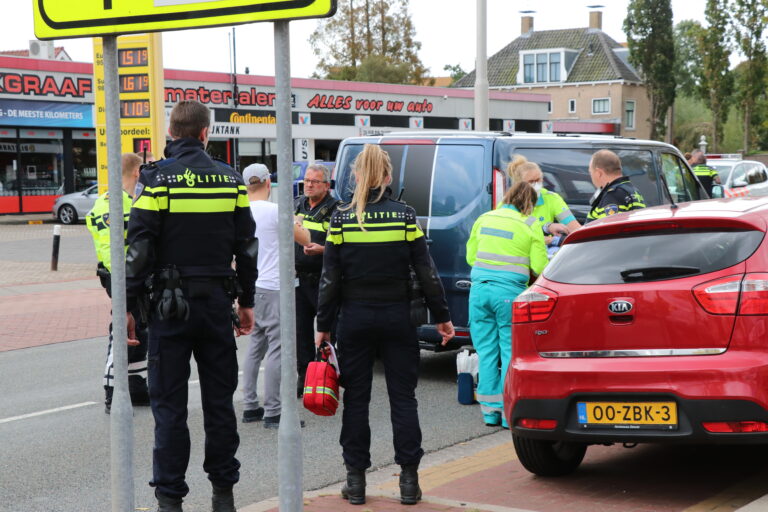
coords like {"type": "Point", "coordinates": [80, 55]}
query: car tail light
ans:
{"type": "Point", "coordinates": [754, 295]}
{"type": "Point", "coordinates": [720, 296]}
{"type": "Point", "coordinates": [537, 424]}
{"type": "Point", "coordinates": [534, 305]}
{"type": "Point", "coordinates": [735, 427]}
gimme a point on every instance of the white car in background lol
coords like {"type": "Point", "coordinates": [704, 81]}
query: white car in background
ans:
{"type": "Point", "coordinates": [71, 207]}
{"type": "Point", "coordinates": [740, 177]}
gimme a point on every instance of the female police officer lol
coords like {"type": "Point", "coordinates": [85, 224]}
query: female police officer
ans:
{"type": "Point", "coordinates": [505, 249]}
{"type": "Point", "coordinates": [372, 245]}
{"type": "Point", "coordinates": [550, 209]}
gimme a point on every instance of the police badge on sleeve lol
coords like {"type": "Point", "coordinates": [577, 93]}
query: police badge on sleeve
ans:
{"type": "Point", "coordinates": [137, 191]}
{"type": "Point", "coordinates": [611, 209]}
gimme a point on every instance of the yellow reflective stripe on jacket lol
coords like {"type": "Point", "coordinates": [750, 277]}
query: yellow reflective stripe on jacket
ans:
{"type": "Point", "coordinates": [208, 205]}
{"type": "Point", "coordinates": [362, 237]}
{"type": "Point", "coordinates": [314, 226]}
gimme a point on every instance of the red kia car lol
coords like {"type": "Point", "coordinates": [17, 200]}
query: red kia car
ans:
{"type": "Point", "coordinates": [646, 327]}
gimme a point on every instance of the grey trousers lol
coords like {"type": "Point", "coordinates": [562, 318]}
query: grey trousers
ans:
{"type": "Point", "coordinates": [265, 343]}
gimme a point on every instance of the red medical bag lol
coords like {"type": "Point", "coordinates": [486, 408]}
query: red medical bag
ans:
{"type": "Point", "coordinates": [321, 385]}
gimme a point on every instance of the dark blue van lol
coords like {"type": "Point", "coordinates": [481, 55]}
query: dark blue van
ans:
{"type": "Point", "coordinates": [451, 178]}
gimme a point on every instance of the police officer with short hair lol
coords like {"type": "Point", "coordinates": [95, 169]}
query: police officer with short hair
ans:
{"type": "Point", "coordinates": [190, 216]}
{"type": "Point", "coordinates": [373, 243]}
{"type": "Point", "coordinates": [98, 224]}
{"type": "Point", "coordinates": [616, 193]}
{"type": "Point", "coordinates": [315, 208]}
{"type": "Point", "coordinates": [707, 175]}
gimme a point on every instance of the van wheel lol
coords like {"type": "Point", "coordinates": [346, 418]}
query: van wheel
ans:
{"type": "Point", "coordinates": [549, 458]}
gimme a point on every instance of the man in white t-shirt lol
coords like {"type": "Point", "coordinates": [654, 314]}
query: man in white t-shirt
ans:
{"type": "Point", "coordinates": [265, 337]}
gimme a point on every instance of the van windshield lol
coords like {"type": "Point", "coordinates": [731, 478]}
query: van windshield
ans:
{"type": "Point", "coordinates": [457, 180]}
{"type": "Point", "coordinates": [566, 170]}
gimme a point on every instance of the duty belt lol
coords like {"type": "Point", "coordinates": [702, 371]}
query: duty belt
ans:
{"type": "Point", "coordinates": [375, 290]}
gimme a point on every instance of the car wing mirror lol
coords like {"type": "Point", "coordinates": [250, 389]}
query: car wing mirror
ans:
{"type": "Point", "coordinates": [717, 192]}
{"type": "Point", "coordinates": [739, 182]}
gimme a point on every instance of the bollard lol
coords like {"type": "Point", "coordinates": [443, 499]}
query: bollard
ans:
{"type": "Point", "coordinates": [56, 240]}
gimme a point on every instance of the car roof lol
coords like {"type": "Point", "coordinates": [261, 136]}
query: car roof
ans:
{"type": "Point", "coordinates": [742, 212]}
{"type": "Point", "coordinates": [447, 135]}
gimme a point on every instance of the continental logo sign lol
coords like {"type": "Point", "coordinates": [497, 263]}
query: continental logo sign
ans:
{"type": "Point", "coordinates": [238, 118]}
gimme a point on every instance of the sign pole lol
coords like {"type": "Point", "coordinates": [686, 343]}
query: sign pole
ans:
{"type": "Point", "coordinates": [121, 421]}
{"type": "Point", "coordinates": [481, 68]}
{"type": "Point", "coordinates": [290, 453]}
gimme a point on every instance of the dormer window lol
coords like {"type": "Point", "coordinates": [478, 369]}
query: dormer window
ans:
{"type": "Point", "coordinates": [545, 66]}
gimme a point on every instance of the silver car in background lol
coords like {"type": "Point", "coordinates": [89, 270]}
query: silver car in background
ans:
{"type": "Point", "coordinates": [741, 177]}
{"type": "Point", "coordinates": [70, 208]}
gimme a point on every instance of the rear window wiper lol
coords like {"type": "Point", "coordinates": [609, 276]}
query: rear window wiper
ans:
{"type": "Point", "coordinates": [653, 273]}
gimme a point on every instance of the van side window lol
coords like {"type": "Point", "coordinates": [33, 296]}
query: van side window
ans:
{"type": "Point", "coordinates": [566, 170]}
{"type": "Point", "coordinates": [682, 185]}
{"type": "Point", "coordinates": [458, 178]}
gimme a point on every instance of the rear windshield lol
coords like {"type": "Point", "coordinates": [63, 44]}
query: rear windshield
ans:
{"type": "Point", "coordinates": [655, 256]}
{"type": "Point", "coordinates": [566, 170]}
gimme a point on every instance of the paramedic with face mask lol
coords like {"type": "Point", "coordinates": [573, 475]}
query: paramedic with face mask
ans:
{"type": "Point", "coordinates": [550, 209]}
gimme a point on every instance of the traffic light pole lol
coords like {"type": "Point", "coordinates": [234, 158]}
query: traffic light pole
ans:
{"type": "Point", "coordinates": [289, 451]}
{"type": "Point", "coordinates": [121, 420]}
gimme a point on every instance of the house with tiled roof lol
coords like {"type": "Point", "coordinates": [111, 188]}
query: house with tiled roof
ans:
{"type": "Point", "coordinates": [40, 50]}
{"type": "Point", "coordinates": [592, 85]}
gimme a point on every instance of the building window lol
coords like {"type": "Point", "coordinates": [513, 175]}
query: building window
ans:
{"type": "Point", "coordinates": [554, 67]}
{"type": "Point", "coordinates": [629, 114]}
{"type": "Point", "coordinates": [528, 69]}
{"type": "Point", "coordinates": [541, 67]}
{"type": "Point", "coordinates": [571, 106]}
{"type": "Point", "coordinates": [549, 107]}
{"type": "Point", "coordinates": [601, 106]}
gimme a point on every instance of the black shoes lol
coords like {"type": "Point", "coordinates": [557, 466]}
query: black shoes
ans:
{"type": "Point", "coordinates": [167, 503]}
{"type": "Point", "coordinates": [410, 492]}
{"type": "Point", "coordinates": [354, 489]}
{"type": "Point", "coordinates": [223, 500]}
{"type": "Point", "coordinates": [274, 422]}
{"type": "Point", "coordinates": [252, 415]}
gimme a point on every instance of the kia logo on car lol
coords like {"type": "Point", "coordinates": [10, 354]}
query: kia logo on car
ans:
{"type": "Point", "coordinates": [620, 306]}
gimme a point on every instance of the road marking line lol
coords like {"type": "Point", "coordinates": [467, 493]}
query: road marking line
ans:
{"type": "Point", "coordinates": [48, 411]}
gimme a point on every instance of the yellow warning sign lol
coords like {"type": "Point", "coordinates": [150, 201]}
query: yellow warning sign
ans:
{"type": "Point", "coordinates": [65, 18]}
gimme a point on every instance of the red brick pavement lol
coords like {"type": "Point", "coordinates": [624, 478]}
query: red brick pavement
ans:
{"type": "Point", "coordinates": [34, 319]}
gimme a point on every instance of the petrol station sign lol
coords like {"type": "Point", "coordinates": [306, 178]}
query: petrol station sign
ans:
{"type": "Point", "coordinates": [57, 19]}
{"type": "Point", "coordinates": [140, 86]}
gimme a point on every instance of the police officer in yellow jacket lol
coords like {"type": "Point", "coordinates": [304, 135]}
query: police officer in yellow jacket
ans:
{"type": "Point", "coordinates": [98, 223]}
{"type": "Point", "coordinates": [190, 216]}
{"type": "Point", "coordinates": [505, 250]}
{"type": "Point", "coordinates": [372, 244]}
{"type": "Point", "coordinates": [706, 174]}
{"type": "Point", "coordinates": [616, 193]}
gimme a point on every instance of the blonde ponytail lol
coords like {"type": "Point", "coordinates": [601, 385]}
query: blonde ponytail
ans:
{"type": "Point", "coordinates": [519, 167]}
{"type": "Point", "coordinates": [372, 169]}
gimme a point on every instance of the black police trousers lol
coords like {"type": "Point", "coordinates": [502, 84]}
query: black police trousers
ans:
{"type": "Point", "coordinates": [367, 330]}
{"type": "Point", "coordinates": [208, 335]}
{"type": "Point", "coordinates": [306, 311]}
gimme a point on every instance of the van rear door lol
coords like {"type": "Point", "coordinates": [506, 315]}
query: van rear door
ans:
{"type": "Point", "coordinates": [445, 181]}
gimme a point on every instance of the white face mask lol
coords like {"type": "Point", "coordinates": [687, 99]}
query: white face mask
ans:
{"type": "Point", "coordinates": [537, 187]}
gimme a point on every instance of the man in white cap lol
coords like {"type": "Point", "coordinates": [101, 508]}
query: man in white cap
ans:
{"type": "Point", "coordinates": [265, 337]}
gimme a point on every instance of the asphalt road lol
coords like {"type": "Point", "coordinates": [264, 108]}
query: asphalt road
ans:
{"type": "Point", "coordinates": [59, 461]}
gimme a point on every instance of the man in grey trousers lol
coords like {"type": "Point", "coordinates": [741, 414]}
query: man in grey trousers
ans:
{"type": "Point", "coordinates": [265, 337]}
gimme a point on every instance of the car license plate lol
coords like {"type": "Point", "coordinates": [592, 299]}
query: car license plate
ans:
{"type": "Point", "coordinates": [628, 415]}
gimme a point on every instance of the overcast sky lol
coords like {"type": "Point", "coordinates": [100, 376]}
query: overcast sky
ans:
{"type": "Point", "coordinates": [446, 29]}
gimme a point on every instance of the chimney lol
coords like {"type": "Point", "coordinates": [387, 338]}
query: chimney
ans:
{"type": "Point", "coordinates": [526, 24]}
{"type": "Point", "coordinates": [596, 20]}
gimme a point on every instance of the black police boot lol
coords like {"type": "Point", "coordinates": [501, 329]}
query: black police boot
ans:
{"type": "Point", "coordinates": [354, 490]}
{"type": "Point", "coordinates": [410, 492]}
{"type": "Point", "coordinates": [223, 500]}
{"type": "Point", "coordinates": [167, 503]}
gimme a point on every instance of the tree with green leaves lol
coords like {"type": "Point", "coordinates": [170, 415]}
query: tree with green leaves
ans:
{"type": "Point", "coordinates": [749, 24]}
{"type": "Point", "coordinates": [716, 85]}
{"type": "Point", "coordinates": [455, 70]}
{"type": "Point", "coordinates": [648, 27]}
{"type": "Point", "coordinates": [368, 40]}
{"type": "Point", "coordinates": [688, 56]}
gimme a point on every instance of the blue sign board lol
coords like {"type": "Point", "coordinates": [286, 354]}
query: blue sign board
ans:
{"type": "Point", "coordinates": [46, 114]}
